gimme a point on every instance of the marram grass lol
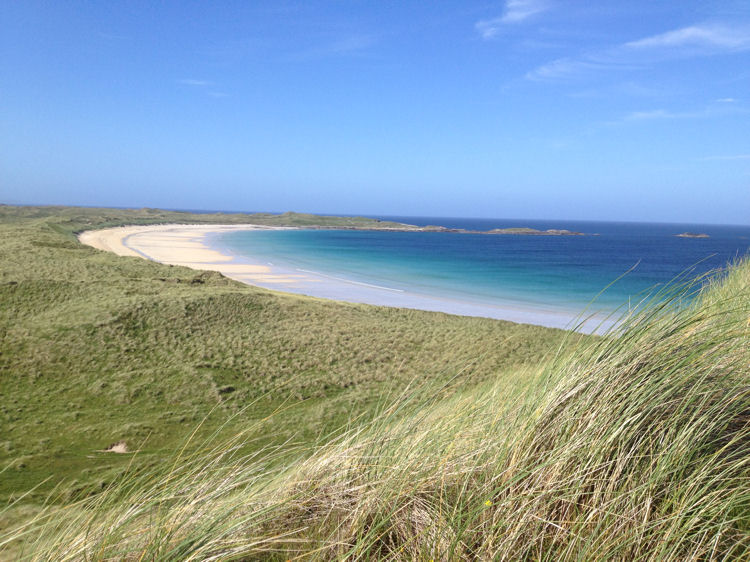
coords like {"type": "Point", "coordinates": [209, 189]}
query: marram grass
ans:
{"type": "Point", "coordinates": [632, 447]}
{"type": "Point", "coordinates": [112, 349]}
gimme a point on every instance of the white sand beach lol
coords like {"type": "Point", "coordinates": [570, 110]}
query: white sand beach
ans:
{"type": "Point", "coordinates": [188, 245]}
{"type": "Point", "coordinates": [181, 244]}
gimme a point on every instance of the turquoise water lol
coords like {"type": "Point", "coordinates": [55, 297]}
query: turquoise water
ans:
{"type": "Point", "coordinates": [544, 272]}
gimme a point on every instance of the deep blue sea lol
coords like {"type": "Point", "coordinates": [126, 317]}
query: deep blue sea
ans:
{"type": "Point", "coordinates": [561, 272]}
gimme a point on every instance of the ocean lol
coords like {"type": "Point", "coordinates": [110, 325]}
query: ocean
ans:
{"type": "Point", "coordinates": [550, 278]}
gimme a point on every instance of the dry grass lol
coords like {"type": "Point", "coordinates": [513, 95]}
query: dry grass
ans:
{"type": "Point", "coordinates": [633, 447]}
{"type": "Point", "coordinates": [121, 349]}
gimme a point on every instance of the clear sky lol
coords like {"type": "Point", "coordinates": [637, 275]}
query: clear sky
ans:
{"type": "Point", "coordinates": [607, 109]}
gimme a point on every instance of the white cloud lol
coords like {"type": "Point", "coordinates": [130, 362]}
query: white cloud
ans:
{"type": "Point", "coordinates": [707, 112]}
{"type": "Point", "coordinates": [489, 28]}
{"type": "Point", "coordinates": [515, 11]}
{"type": "Point", "coordinates": [198, 83]}
{"type": "Point", "coordinates": [562, 68]}
{"type": "Point", "coordinates": [571, 67]}
{"type": "Point", "coordinates": [652, 114]}
{"type": "Point", "coordinates": [519, 10]}
{"type": "Point", "coordinates": [352, 45]}
{"type": "Point", "coordinates": [706, 37]}
{"type": "Point", "coordinates": [696, 40]}
{"type": "Point", "coordinates": [205, 87]}
{"type": "Point", "coordinates": [726, 100]}
{"type": "Point", "coordinates": [729, 157]}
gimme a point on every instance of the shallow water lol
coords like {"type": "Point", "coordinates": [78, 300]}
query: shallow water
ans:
{"type": "Point", "coordinates": [552, 275]}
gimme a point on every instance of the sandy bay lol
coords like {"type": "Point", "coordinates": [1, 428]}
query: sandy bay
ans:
{"type": "Point", "coordinates": [190, 245]}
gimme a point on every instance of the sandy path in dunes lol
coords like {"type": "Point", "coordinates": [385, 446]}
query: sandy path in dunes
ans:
{"type": "Point", "coordinates": [185, 245]}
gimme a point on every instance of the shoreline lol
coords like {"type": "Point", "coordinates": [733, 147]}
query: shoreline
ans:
{"type": "Point", "coordinates": [190, 245]}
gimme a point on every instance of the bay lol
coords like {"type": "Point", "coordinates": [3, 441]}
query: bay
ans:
{"type": "Point", "coordinates": [565, 274]}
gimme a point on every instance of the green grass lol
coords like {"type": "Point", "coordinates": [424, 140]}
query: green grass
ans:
{"type": "Point", "coordinates": [358, 432]}
{"type": "Point", "coordinates": [96, 348]}
{"type": "Point", "coordinates": [69, 219]}
{"type": "Point", "coordinates": [630, 447]}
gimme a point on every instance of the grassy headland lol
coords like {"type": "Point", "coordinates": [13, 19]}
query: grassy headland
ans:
{"type": "Point", "coordinates": [97, 348]}
{"type": "Point", "coordinates": [84, 218]}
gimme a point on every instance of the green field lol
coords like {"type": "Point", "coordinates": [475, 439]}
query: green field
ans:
{"type": "Point", "coordinates": [98, 348]}
{"type": "Point", "coordinates": [273, 426]}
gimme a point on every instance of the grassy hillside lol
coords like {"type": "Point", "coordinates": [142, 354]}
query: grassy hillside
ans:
{"type": "Point", "coordinates": [95, 349]}
{"type": "Point", "coordinates": [81, 218]}
{"type": "Point", "coordinates": [635, 447]}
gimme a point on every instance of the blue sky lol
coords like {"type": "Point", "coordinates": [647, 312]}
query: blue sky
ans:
{"type": "Point", "coordinates": [605, 110]}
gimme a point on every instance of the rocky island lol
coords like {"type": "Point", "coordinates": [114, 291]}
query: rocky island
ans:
{"type": "Point", "coordinates": [692, 235]}
{"type": "Point", "coordinates": [535, 232]}
{"type": "Point", "coordinates": [399, 227]}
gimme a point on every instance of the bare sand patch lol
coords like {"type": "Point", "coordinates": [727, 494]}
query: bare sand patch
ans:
{"type": "Point", "coordinates": [119, 447]}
